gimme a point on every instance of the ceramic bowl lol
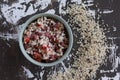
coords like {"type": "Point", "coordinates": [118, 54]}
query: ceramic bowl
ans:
{"type": "Point", "coordinates": [68, 29]}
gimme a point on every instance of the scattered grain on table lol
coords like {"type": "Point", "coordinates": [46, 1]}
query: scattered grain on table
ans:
{"type": "Point", "coordinates": [92, 47]}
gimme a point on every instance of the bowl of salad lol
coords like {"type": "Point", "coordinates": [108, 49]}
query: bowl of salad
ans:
{"type": "Point", "coordinates": [45, 39]}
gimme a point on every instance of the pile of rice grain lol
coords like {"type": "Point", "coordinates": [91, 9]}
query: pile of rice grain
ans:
{"type": "Point", "coordinates": [92, 46]}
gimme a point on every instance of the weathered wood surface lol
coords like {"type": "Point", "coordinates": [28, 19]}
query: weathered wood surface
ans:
{"type": "Point", "coordinates": [13, 13]}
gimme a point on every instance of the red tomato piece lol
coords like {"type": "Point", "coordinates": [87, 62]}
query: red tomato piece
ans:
{"type": "Point", "coordinates": [37, 56]}
{"type": "Point", "coordinates": [27, 39]}
{"type": "Point", "coordinates": [39, 25]}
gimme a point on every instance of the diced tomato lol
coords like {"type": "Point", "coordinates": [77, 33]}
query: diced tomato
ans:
{"type": "Point", "coordinates": [39, 25]}
{"type": "Point", "coordinates": [37, 56]}
{"type": "Point", "coordinates": [27, 39]}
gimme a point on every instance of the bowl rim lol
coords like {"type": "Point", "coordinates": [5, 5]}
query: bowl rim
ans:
{"type": "Point", "coordinates": [69, 32]}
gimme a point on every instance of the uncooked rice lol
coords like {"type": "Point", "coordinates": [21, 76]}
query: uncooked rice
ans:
{"type": "Point", "coordinates": [92, 46]}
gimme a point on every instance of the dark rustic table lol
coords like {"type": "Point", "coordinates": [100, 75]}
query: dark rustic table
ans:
{"type": "Point", "coordinates": [13, 13]}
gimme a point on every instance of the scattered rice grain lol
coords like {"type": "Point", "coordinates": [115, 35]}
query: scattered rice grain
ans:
{"type": "Point", "coordinates": [92, 48]}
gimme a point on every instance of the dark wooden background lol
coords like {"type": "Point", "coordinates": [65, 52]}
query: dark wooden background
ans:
{"type": "Point", "coordinates": [13, 13]}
